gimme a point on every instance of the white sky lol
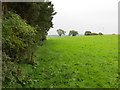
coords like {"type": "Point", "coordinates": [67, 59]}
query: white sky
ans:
{"type": "Point", "coordinates": [81, 15]}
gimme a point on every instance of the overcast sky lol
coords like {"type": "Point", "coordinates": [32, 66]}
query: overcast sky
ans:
{"type": "Point", "coordinates": [81, 15]}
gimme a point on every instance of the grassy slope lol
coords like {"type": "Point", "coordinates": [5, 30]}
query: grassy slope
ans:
{"type": "Point", "coordinates": [71, 62]}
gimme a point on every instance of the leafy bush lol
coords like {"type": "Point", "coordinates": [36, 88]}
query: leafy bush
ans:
{"type": "Point", "coordinates": [73, 33]}
{"type": "Point", "coordinates": [17, 35]}
{"type": "Point", "coordinates": [113, 34]}
{"type": "Point", "coordinates": [35, 13]}
{"type": "Point", "coordinates": [87, 32]}
{"type": "Point", "coordinates": [60, 32]}
{"type": "Point", "coordinates": [94, 34]}
{"type": "Point", "coordinates": [18, 39]}
{"type": "Point", "coordinates": [100, 33]}
{"type": "Point", "coordinates": [22, 31]}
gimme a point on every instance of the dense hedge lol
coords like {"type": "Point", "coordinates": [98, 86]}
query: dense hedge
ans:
{"type": "Point", "coordinates": [38, 14]}
{"type": "Point", "coordinates": [17, 35]}
{"type": "Point", "coordinates": [25, 26]}
{"type": "Point", "coordinates": [18, 39]}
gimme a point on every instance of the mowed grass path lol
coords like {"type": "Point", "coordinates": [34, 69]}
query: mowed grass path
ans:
{"type": "Point", "coordinates": [77, 62]}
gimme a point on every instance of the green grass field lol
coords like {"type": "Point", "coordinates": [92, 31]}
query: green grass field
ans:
{"type": "Point", "coordinates": [77, 62]}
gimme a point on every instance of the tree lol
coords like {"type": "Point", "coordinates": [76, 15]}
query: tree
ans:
{"type": "Point", "coordinates": [42, 15]}
{"type": "Point", "coordinates": [94, 34]}
{"type": "Point", "coordinates": [73, 33]}
{"type": "Point", "coordinates": [87, 32]}
{"type": "Point", "coordinates": [114, 34]}
{"type": "Point", "coordinates": [60, 32]}
{"type": "Point", "coordinates": [100, 33]}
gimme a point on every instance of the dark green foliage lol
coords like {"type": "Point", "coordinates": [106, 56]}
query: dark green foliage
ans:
{"type": "Point", "coordinates": [60, 32]}
{"type": "Point", "coordinates": [25, 25]}
{"type": "Point", "coordinates": [94, 34]}
{"type": "Point", "coordinates": [38, 14]}
{"type": "Point", "coordinates": [87, 32]}
{"type": "Point", "coordinates": [18, 37]}
{"type": "Point", "coordinates": [73, 33]}
{"type": "Point", "coordinates": [113, 34]}
{"type": "Point", "coordinates": [90, 33]}
{"type": "Point", "coordinates": [100, 33]}
{"type": "Point", "coordinates": [8, 69]}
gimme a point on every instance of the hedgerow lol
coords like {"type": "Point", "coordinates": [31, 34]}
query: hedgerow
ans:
{"type": "Point", "coordinates": [25, 26]}
{"type": "Point", "coordinates": [18, 39]}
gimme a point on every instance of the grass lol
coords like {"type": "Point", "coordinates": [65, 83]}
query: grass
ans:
{"type": "Point", "coordinates": [77, 62]}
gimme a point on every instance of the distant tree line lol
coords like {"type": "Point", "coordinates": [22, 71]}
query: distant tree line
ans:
{"type": "Point", "coordinates": [74, 33]}
{"type": "Point", "coordinates": [87, 33]}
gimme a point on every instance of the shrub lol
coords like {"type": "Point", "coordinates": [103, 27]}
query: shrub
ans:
{"type": "Point", "coordinates": [18, 38]}
{"type": "Point", "coordinates": [87, 32]}
{"type": "Point", "coordinates": [113, 34]}
{"type": "Point", "coordinates": [73, 33]}
{"type": "Point", "coordinates": [94, 34]}
{"type": "Point", "coordinates": [100, 33]}
{"type": "Point", "coordinates": [60, 32]}
{"type": "Point", "coordinates": [17, 35]}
